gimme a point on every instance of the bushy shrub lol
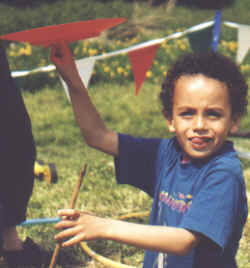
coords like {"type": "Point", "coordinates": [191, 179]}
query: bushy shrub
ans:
{"type": "Point", "coordinates": [18, 18]}
{"type": "Point", "coordinates": [211, 4]}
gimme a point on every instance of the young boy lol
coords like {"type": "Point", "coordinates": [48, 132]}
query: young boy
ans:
{"type": "Point", "coordinates": [195, 178]}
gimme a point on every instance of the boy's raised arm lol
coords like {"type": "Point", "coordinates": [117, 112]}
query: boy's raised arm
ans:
{"type": "Point", "coordinates": [92, 126]}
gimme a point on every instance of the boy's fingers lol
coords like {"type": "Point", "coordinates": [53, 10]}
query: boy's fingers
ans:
{"type": "Point", "coordinates": [65, 48]}
{"type": "Point", "coordinates": [69, 232]}
{"type": "Point", "coordinates": [59, 50]}
{"type": "Point", "coordinates": [65, 224]}
{"type": "Point", "coordinates": [68, 212]}
{"type": "Point", "coordinates": [69, 217]}
{"type": "Point", "coordinates": [75, 240]}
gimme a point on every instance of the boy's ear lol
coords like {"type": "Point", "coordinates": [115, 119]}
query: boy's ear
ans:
{"type": "Point", "coordinates": [169, 121]}
{"type": "Point", "coordinates": [235, 124]}
{"type": "Point", "coordinates": [170, 124]}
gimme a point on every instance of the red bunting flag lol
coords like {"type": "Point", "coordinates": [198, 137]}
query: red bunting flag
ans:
{"type": "Point", "coordinates": [141, 61]}
{"type": "Point", "coordinates": [69, 32]}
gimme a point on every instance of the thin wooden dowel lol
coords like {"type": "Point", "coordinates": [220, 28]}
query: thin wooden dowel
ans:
{"type": "Point", "coordinates": [72, 205]}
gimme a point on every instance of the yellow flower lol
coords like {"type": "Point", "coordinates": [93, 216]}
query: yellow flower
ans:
{"type": "Point", "coordinates": [112, 74]}
{"type": "Point", "coordinates": [28, 49]}
{"type": "Point", "coordinates": [43, 62]}
{"type": "Point", "coordinates": [21, 51]}
{"type": "Point", "coordinates": [12, 53]}
{"type": "Point", "coordinates": [119, 70]}
{"type": "Point", "coordinates": [179, 41]}
{"type": "Point", "coordinates": [92, 52]}
{"type": "Point", "coordinates": [223, 43]}
{"type": "Point", "coordinates": [133, 40]}
{"type": "Point", "coordinates": [84, 49]}
{"type": "Point", "coordinates": [76, 50]}
{"type": "Point", "coordinates": [149, 74]}
{"type": "Point", "coordinates": [244, 68]}
{"type": "Point", "coordinates": [182, 46]}
{"type": "Point", "coordinates": [106, 69]}
{"type": "Point", "coordinates": [164, 44]}
{"type": "Point", "coordinates": [232, 46]}
{"type": "Point", "coordinates": [168, 49]}
{"type": "Point", "coordinates": [25, 50]}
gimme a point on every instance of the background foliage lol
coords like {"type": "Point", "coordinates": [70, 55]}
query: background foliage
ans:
{"type": "Point", "coordinates": [143, 23]}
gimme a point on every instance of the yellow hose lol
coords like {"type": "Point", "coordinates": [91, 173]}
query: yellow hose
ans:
{"type": "Point", "coordinates": [101, 259]}
{"type": "Point", "coordinates": [106, 261]}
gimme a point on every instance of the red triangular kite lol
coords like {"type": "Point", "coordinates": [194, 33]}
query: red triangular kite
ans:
{"type": "Point", "coordinates": [69, 32]}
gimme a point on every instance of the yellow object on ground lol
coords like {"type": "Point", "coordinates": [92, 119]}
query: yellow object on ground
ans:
{"type": "Point", "coordinates": [45, 172]}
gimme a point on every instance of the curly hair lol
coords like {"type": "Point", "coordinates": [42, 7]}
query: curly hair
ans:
{"type": "Point", "coordinates": [210, 64]}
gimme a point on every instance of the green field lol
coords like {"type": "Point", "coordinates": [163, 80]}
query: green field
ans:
{"type": "Point", "coordinates": [58, 137]}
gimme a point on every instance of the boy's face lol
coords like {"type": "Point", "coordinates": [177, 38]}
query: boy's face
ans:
{"type": "Point", "coordinates": [201, 115]}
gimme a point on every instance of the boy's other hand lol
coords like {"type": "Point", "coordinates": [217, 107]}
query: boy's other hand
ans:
{"type": "Point", "coordinates": [79, 226]}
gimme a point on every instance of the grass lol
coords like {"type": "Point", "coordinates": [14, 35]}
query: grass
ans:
{"type": "Point", "coordinates": [59, 141]}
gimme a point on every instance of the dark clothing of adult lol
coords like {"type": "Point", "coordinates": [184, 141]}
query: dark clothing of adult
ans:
{"type": "Point", "coordinates": [17, 150]}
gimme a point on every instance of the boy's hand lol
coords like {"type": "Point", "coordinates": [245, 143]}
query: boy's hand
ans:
{"type": "Point", "coordinates": [63, 59]}
{"type": "Point", "coordinates": [79, 226]}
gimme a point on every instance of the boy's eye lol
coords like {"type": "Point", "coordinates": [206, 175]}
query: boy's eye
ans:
{"type": "Point", "coordinates": [187, 113]}
{"type": "Point", "coordinates": [213, 113]}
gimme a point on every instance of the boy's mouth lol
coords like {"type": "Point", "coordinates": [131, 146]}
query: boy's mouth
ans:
{"type": "Point", "coordinates": [200, 143]}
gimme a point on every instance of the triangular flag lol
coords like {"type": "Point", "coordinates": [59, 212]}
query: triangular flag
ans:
{"type": "Point", "coordinates": [243, 42]}
{"type": "Point", "coordinates": [85, 68]}
{"type": "Point", "coordinates": [141, 61]}
{"type": "Point", "coordinates": [200, 41]}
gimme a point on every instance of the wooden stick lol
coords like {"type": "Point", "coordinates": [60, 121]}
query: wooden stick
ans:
{"type": "Point", "coordinates": [72, 205]}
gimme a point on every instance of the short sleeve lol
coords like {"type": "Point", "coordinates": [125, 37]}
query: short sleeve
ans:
{"type": "Point", "coordinates": [215, 208]}
{"type": "Point", "coordinates": [136, 164]}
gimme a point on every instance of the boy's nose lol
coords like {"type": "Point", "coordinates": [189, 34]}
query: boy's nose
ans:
{"type": "Point", "coordinates": [199, 123]}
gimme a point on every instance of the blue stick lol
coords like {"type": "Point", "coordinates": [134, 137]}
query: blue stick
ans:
{"type": "Point", "coordinates": [216, 31]}
{"type": "Point", "coordinates": [40, 221]}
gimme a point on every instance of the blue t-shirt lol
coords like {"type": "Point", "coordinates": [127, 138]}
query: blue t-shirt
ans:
{"type": "Point", "coordinates": [203, 196]}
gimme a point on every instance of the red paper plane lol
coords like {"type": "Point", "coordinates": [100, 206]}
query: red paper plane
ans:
{"type": "Point", "coordinates": [69, 32]}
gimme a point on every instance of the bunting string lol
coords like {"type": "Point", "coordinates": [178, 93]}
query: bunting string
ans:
{"type": "Point", "coordinates": [243, 45]}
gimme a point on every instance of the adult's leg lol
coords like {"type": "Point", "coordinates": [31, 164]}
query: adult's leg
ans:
{"type": "Point", "coordinates": [17, 148]}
